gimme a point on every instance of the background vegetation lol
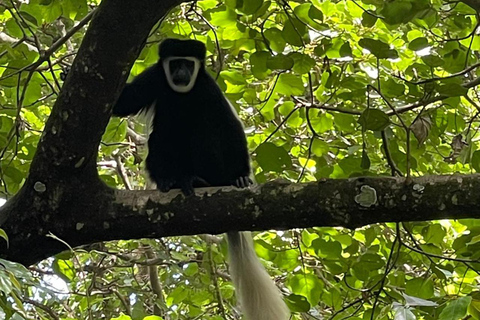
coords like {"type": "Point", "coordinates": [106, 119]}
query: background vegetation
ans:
{"type": "Point", "coordinates": [326, 89]}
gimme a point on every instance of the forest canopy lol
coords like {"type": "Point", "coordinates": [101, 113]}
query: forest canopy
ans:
{"type": "Point", "coordinates": [347, 102]}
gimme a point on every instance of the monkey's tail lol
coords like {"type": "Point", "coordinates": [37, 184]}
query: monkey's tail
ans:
{"type": "Point", "coordinates": [259, 297]}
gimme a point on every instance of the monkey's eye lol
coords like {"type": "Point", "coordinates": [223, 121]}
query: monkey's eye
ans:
{"type": "Point", "coordinates": [181, 71]}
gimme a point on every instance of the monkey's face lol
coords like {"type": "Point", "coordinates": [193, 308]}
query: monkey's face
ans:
{"type": "Point", "coordinates": [181, 72]}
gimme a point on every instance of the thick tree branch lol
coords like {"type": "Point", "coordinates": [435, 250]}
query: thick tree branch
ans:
{"type": "Point", "coordinates": [106, 214]}
{"type": "Point", "coordinates": [63, 172]}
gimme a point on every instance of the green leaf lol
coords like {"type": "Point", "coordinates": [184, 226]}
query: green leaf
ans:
{"type": "Point", "coordinates": [420, 287]}
{"type": "Point", "coordinates": [391, 88]}
{"type": "Point", "coordinates": [374, 119]}
{"type": "Point", "coordinates": [290, 84]}
{"type": "Point", "coordinates": [250, 96]}
{"type": "Point", "coordinates": [64, 269]}
{"type": "Point", "coordinates": [223, 18]}
{"type": "Point", "coordinates": [396, 12]}
{"type": "Point", "coordinates": [322, 48]}
{"type": "Point", "coordinates": [418, 44]}
{"type": "Point", "coordinates": [476, 161]}
{"type": "Point", "coordinates": [365, 160]}
{"type": "Point", "coordinates": [452, 90]}
{"type": "Point", "coordinates": [315, 14]}
{"type": "Point", "coordinates": [207, 4]}
{"type": "Point", "coordinates": [280, 62]}
{"type": "Point", "coordinates": [403, 313]}
{"type": "Point", "coordinates": [304, 13]}
{"type": "Point", "coordinates": [234, 31]}
{"type": "Point", "coordinates": [378, 48]}
{"type": "Point", "coordinates": [29, 18]}
{"type": "Point", "coordinates": [320, 148]}
{"type": "Point", "coordinates": [474, 309]}
{"type": "Point", "coordinates": [456, 309]}
{"type": "Point", "coordinates": [345, 50]}
{"type": "Point", "coordinates": [13, 28]}
{"type": "Point", "coordinates": [345, 122]}
{"type": "Point", "coordinates": [332, 78]}
{"type": "Point", "coordinates": [122, 317]}
{"type": "Point", "coordinates": [307, 285]}
{"type": "Point", "coordinates": [251, 6]}
{"type": "Point", "coordinates": [327, 249]}
{"type": "Point", "coordinates": [415, 301]}
{"type": "Point", "coordinates": [258, 60]}
{"type": "Point", "coordinates": [295, 32]}
{"type": "Point", "coordinates": [432, 61]}
{"type": "Point", "coordinates": [263, 9]}
{"type": "Point", "coordinates": [14, 174]}
{"type": "Point", "coordinates": [177, 295]}
{"type": "Point", "coordinates": [368, 20]}
{"type": "Point", "coordinates": [275, 39]}
{"type": "Point", "coordinates": [18, 270]}
{"type": "Point", "coordinates": [286, 107]}
{"type": "Point", "coordinates": [4, 235]}
{"type": "Point", "coordinates": [231, 4]}
{"type": "Point", "coordinates": [234, 77]}
{"type": "Point", "coordinates": [322, 123]}
{"type": "Point", "coordinates": [153, 318]}
{"type": "Point", "coordinates": [115, 131]}
{"type": "Point", "coordinates": [302, 63]}
{"type": "Point", "coordinates": [368, 262]}
{"type": "Point", "coordinates": [332, 298]}
{"type": "Point", "coordinates": [297, 303]}
{"type": "Point", "coordinates": [52, 11]}
{"type": "Point", "coordinates": [191, 269]}
{"type": "Point", "coordinates": [75, 9]}
{"type": "Point", "coordinates": [287, 260]}
{"type": "Point", "coordinates": [273, 158]}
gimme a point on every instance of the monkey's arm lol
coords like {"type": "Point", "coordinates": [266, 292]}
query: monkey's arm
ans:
{"type": "Point", "coordinates": [140, 93]}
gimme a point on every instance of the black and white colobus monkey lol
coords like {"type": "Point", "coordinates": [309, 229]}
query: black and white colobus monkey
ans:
{"type": "Point", "coordinates": [197, 140]}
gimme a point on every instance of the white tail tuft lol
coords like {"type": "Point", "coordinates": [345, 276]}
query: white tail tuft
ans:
{"type": "Point", "coordinates": [259, 298]}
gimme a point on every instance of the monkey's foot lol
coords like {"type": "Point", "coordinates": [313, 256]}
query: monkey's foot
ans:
{"type": "Point", "coordinates": [243, 182]}
{"type": "Point", "coordinates": [186, 184]}
{"type": "Point", "coordinates": [165, 184]}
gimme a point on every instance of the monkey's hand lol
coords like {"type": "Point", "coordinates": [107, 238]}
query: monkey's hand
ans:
{"type": "Point", "coordinates": [186, 185]}
{"type": "Point", "coordinates": [165, 184]}
{"type": "Point", "coordinates": [243, 182]}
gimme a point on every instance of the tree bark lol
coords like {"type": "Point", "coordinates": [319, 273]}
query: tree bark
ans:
{"type": "Point", "coordinates": [109, 214]}
{"type": "Point", "coordinates": [63, 172]}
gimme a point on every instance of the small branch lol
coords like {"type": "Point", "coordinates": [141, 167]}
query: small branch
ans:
{"type": "Point", "coordinates": [124, 301]}
{"type": "Point", "coordinates": [45, 308]}
{"type": "Point", "coordinates": [388, 156]}
{"type": "Point", "coordinates": [326, 107]}
{"type": "Point", "coordinates": [453, 75]}
{"type": "Point", "coordinates": [122, 172]}
{"type": "Point", "coordinates": [154, 280]}
{"type": "Point", "coordinates": [388, 268]}
{"type": "Point", "coordinates": [213, 274]}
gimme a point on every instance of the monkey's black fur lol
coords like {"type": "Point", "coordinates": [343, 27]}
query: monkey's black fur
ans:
{"type": "Point", "coordinates": [197, 139]}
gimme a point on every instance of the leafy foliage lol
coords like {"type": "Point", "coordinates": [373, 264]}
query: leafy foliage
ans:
{"type": "Point", "coordinates": [327, 89]}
